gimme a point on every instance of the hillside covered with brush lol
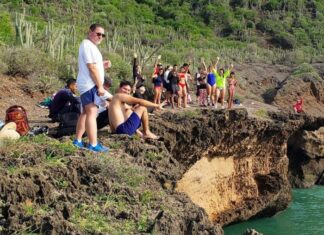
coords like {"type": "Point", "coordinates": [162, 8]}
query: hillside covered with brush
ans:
{"type": "Point", "coordinates": [42, 37]}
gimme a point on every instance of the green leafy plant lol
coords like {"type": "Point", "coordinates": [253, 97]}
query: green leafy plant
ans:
{"type": "Point", "coordinates": [153, 156]}
{"type": "Point", "coordinates": [261, 113]}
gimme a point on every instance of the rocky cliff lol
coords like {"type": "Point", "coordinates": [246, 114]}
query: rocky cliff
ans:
{"type": "Point", "coordinates": [306, 154]}
{"type": "Point", "coordinates": [211, 168]}
{"type": "Point", "coordinates": [234, 167]}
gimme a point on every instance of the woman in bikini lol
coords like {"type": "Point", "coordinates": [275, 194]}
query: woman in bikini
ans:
{"type": "Point", "coordinates": [158, 85]}
{"type": "Point", "coordinates": [182, 88]}
{"type": "Point", "coordinates": [231, 89]}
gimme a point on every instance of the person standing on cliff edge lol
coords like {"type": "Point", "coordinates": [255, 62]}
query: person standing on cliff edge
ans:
{"type": "Point", "coordinates": [90, 85]}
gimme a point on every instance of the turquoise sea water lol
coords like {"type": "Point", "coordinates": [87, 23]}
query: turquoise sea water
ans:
{"type": "Point", "coordinates": [305, 216]}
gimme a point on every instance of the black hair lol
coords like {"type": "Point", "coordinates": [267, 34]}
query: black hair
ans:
{"type": "Point", "coordinates": [125, 83]}
{"type": "Point", "coordinates": [107, 81]}
{"type": "Point", "coordinates": [141, 85]}
{"type": "Point", "coordinates": [232, 73]}
{"type": "Point", "coordinates": [70, 81]}
{"type": "Point", "coordinates": [175, 65]}
{"type": "Point", "coordinates": [94, 26]}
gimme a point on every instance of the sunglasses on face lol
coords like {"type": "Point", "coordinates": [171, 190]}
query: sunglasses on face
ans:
{"type": "Point", "coordinates": [101, 34]}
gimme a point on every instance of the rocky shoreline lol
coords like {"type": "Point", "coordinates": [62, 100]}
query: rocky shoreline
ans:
{"type": "Point", "coordinates": [212, 168]}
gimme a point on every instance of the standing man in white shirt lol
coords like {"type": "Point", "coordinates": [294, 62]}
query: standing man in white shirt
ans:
{"type": "Point", "coordinates": [90, 85]}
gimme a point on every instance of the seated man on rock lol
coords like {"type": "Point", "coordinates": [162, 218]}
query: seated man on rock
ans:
{"type": "Point", "coordinates": [65, 103]}
{"type": "Point", "coordinates": [125, 119]}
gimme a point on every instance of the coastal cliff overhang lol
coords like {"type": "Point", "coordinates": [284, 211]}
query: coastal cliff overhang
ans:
{"type": "Point", "coordinates": [233, 166]}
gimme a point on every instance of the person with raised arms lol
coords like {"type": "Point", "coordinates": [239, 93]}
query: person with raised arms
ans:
{"type": "Point", "coordinates": [211, 83]}
{"type": "Point", "coordinates": [221, 82]}
{"type": "Point", "coordinates": [232, 82]}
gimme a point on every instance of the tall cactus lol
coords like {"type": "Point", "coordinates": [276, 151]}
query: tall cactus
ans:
{"type": "Point", "coordinates": [24, 30]}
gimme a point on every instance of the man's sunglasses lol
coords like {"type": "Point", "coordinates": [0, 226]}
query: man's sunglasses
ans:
{"type": "Point", "coordinates": [101, 34]}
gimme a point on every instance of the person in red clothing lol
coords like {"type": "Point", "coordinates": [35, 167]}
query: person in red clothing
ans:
{"type": "Point", "coordinates": [157, 65]}
{"type": "Point", "coordinates": [182, 88]}
{"type": "Point", "coordinates": [298, 106]}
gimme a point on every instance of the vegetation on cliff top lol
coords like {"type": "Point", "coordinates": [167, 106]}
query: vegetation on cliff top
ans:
{"type": "Point", "coordinates": [49, 32]}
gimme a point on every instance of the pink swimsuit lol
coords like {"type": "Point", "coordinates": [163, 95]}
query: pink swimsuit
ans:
{"type": "Point", "coordinates": [232, 83]}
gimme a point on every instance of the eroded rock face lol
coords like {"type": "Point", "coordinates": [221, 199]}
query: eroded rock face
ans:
{"type": "Point", "coordinates": [212, 168]}
{"type": "Point", "coordinates": [234, 167]}
{"type": "Point", "coordinates": [307, 158]}
{"type": "Point", "coordinates": [312, 143]}
{"type": "Point", "coordinates": [309, 87]}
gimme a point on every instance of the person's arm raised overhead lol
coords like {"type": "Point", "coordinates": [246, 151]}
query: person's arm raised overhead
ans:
{"type": "Point", "coordinates": [228, 71]}
{"type": "Point", "coordinates": [134, 66]}
{"type": "Point", "coordinates": [216, 63]}
{"type": "Point", "coordinates": [203, 63]}
{"type": "Point", "coordinates": [157, 61]}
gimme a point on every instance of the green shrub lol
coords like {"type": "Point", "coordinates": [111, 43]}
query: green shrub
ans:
{"type": "Point", "coordinates": [3, 67]}
{"type": "Point", "coordinates": [262, 113]}
{"type": "Point", "coordinates": [29, 61]}
{"type": "Point", "coordinates": [44, 83]}
{"type": "Point", "coordinates": [119, 68]}
{"type": "Point", "coordinates": [285, 40]}
{"type": "Point", "coordinates": [303, 68]}
{"type": "Point", "coordinates": [7, 32]}
{"type": "Point", "coordinates": [295, 57]}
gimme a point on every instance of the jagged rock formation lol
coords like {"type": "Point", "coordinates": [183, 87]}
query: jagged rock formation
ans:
{"type": "Point", "coordinates": [307, 158]}
{"type": "Point", "coordinates": [80, 193]}
{"type": "Point", "coordinates": [312, 143]}
{"type": "Point", "coordinates": [235, 167]}
{"type": "Point", "coordinates": [212, 168]}
{"type": "Point", "coordinates": [309, 85]}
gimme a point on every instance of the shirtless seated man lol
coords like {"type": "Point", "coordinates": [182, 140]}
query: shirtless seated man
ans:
{"type": "Point", "coordinates": [126, 120]}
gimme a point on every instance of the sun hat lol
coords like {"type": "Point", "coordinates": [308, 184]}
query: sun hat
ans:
{"type": "Point", "coordinates": [9, 131]}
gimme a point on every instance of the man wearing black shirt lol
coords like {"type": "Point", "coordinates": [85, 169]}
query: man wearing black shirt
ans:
{"type": "Point", "coordinates": [65, 101]}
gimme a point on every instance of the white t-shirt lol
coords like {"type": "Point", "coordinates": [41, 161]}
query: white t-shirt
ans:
{"type": "Point", "coordinates": [166, 74]}
{"type": "Point", "coordinates": [101, 101]}
{"type": "Point", "coordinates": [88, 54]}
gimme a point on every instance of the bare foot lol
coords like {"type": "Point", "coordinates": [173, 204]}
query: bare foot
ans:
{"type": "Point", "coordinates": [139, 133]}
{"type": "Point", "coordinates": [150, 135]}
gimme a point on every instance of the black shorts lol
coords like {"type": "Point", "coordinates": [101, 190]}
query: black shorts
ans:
{"type": "Point", "coordinates": [174, 89]}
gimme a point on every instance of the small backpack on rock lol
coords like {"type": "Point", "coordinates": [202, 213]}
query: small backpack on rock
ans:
{"type": "Point", "coordinates": [18, 115]}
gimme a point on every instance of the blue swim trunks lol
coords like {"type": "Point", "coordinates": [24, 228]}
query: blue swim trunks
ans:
{"type": "Point", "coordinates": [89, 96]}
{"type": "Point", "coordinates": [130, 126]}
{"type": "Point", "coordinates": [211, 79]}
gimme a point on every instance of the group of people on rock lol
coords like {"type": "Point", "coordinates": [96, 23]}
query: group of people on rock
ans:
{"type": "Point", "coordinates": [211, 83]}
{"type": "Point", "coordinates": [96, 107]}
{"type": "Point", "coordinates": [127, 110]}
{"type": "Point", "coordinates": [124, 112]}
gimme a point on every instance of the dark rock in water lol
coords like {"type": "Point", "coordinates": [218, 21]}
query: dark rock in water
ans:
{"type": "Point", "coordinates": [251, 231]}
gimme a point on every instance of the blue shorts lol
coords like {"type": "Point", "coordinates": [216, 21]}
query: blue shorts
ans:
{"type": "Point", "coordinates": [89, 96]}
{"type": "Point", "coordinates": [211, 79]}
{"type": "Point", "coordinates": [130, 126]}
